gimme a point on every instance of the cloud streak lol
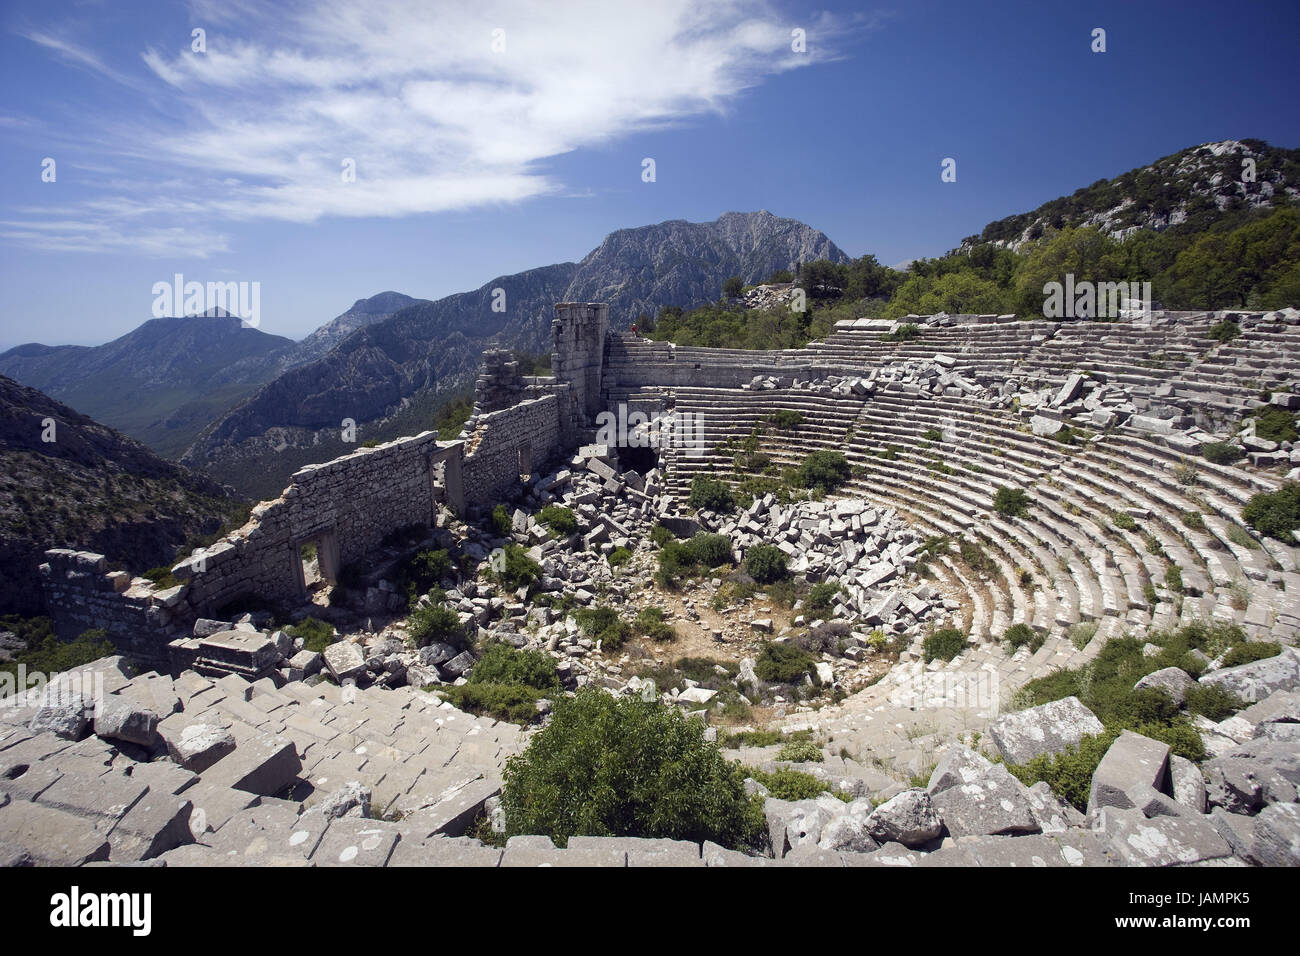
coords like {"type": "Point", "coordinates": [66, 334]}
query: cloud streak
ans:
{"type": "Point", "coordinates": [439, 108]}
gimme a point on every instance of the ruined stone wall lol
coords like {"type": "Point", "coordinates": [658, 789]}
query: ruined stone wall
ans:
{"type": "Point", "coordinates": [578, 335]}
{"type": "Point", "coordinates": [83, 594]}
{"type": "Point", "coordinates": [636, 363]}
{"type": "Point", "coordinates": [507, 443]}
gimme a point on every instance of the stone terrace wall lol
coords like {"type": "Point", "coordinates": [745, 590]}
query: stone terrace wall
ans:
{"type": "Point", "coordinates": [506, 443]}
{"type": "Point", "coordinates": [634, 363]}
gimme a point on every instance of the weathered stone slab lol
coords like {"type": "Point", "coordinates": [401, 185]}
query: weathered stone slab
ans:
{"type": "Point", "coordinates": [1160, 841]}
{"type": "Point", "coordinates": [1276, 839]}
{"type": "Point", "coordinates": [909, 819]}
{"type": "Point", "coordinates": [118, 718]}
{"type": "Point", "coordinates": [976, 797]}
{"type": "Point", "coordinates": [53, 837]}
{"type": "Point", "coordinates": [1257, 680]}
{"type": "Point", "coordinates": [264, 764]}
{"type": "Point", "coordinates": [1131, 763]}
{"type": "Point", "coordinates": [1047, 729]}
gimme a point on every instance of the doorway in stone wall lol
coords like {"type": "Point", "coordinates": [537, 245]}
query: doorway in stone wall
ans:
{"type": "Point", "coordinates": [317, 561]}
{"type": "Point", "coordinates": [525, 463]}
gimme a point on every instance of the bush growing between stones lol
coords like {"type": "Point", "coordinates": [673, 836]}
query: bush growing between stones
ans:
{"type": "Point", "coordinates": [785, 419]}
{"type": "Point", "coordinates": [975, 558]}
{"type": "Point", "coordinates": [932, 434]}
{"type": "Point", "coordinates": [1275, 424]}
{"type": "Point", "coordinates": [1247, 652]}
{"type": "Point", "coordinates": [1224, 331]}
{"type": "Point", "coordinates": [627, 767]}
{"type": "Point", "coordinates": [510, 702]}
{"type": "Point", "coordinates": [502, 521]}
{"type": "Point", "coordinates": [801, 751]}
{"type": "Point", "coordinates": [603, 624]}
{"type": "Point", "coordinates": [503, 664]}
{"type": "Point", "coordinates": [820, 598]}
{"type": "Point", "coordinates": [1212, 701]}
{"type": "Point", "coordinates": [904, 333]}
{"type": "Point", "coordinates": [709, 550]}
{"type": "Point", "coordinates": [786, 783]}
{"type": "Point", "coordinates": [1124, 521]}
{"type": "Point", "coordinates": [943, 644]}
{"type": "Point", "coordinates": [1174, 579]}
{"type": "Point", "coordinates": [618, 557]}
{"type": "Point", "coordinates": [709, 494]}
{"type": "Point", "coordinates": [1021, 634]}
{"type": "Point", "coordinates": [784, 663]}
{"type": "Point", "coordinates": [1221, 452]}
{"type": "Point", "coordinates": [436, 622]}
{"type": "Point", "coordinates": [661, 535]}
{"type": "Point", "coordinates": [823, 470]}
{"type": "Point", "coordinates": [1011, 502]}
{"type": "Point", "coordinates": [650, 623]}
{"type": "Point", "coordinates": [1275, 514]}
{"type": "Point", "coordinates": [675, 561]}
{"type": "Point", "coordinates": [1069, 773]}
{"type": "Point", "coordinates": [1194, 520]}
{"type": "Point", "coordinates": [161, 577]}
{"type": "Point", "coordinates": [559, 519]}
{"type": "Point", "coordinates": [520, 570]}
{"type": "Point", "coordinates": [766, 563]}
{"type": "Point", "coordinates": [422, 571]}
{"type": "Point", "coordinates": [316, 635]}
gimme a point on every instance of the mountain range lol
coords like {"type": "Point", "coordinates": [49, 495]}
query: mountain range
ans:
{"type": "Point", "coordinates": [69, 481]}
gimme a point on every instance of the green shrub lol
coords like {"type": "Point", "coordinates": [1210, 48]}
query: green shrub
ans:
{"type": "Point", "coordinates": [1212, 701]}
{"type": "Point", "coordinates": [1012, 502]}
{"type": "Point", "coordinates": [520, 570]}
{"type": "Point", "coordinates": [1021, 635]}
{"type": "Point", "coordinates": [709, 494]}
{"type": "Point", "coordinates": [823, 470]}
{"type": "Point", "coordinates": [1224, 331]}
{"type": "Point", "coordinates": [603, 624]}
{"type": "Point", "coordinates": [766, 563]}
{"type": "Point", "coordinates": [904, 333]}
{"type": "Point", "coordinates": [932, 434]}
{"type": "Point", "coordinates": [1275, 424]}
{"type": "Point", "coordinates": [503, 664]}
{"type": "Point", "coordinates": [1069, 774]}
{"type": "Point", "coordinates": [46, 654]}
{"type": "Point", "coordinates": [559, 519]}
{"type": "Point", "coordinates": [800, 751]}
{"type": "Point", "coordinates": [1194, 520]}
{"type": "Point", "coordinates": [710, 550]}
{"type": "Point", "coordinates": [515, 703]}
{"type": "Point", "coordinates": [1124, 521]}
{"type": "Point", "coordinates": [435, 623]}
{"type": "Point", "coordinates": [675, 562]}
{"type": "Point", "coordinates": [501, 520]}
{"type": "Point", "coordinates": [785, 419]}
{"type": "Point", "coordinates": [784, 663]}
{"type": "Point", "coordinates": [162, 577]}
{"type": "Point", "coordinates": [650, 623]}
{"type": "Point", "coordinates": [618, 557]}
{"type": "Point", "coordinates": [943, 644]}
{"type": "Point", "coordinates": [661, 535]}
{"type": "Point", "coordinates": [1221, 452]}
{"type": "Point", "coordinates": [820, 598]}
{"type": "Point", "coordinates": [420, 572]}
{"type": "Point", "coordinates": [627, 767]}
{"type": "Point", "coordinates": [1275, 514]}
{"type": "Point", "coordinates": [1247, 652]}
{"type": "Point", "coordinates": [316, 635]}
{"type": "Point", "coordinates": [974, 557]}
{"type": "Point", "coordinates": [1174, 579]}
{"type": "Point", "coordinates": [786, 783]}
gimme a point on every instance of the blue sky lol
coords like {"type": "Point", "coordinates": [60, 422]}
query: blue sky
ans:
{"type": "Point", "coordinates": [474, 162]}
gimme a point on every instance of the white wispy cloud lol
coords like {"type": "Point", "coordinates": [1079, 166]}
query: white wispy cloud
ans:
{"type": "Point", "coordinates": [434, 115]}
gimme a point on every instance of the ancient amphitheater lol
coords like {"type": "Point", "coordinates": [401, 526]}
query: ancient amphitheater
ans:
{"type": "Point", "coordinates": [220, 743]}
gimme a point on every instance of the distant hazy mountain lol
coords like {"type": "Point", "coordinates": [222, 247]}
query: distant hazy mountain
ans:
{"type": "Point", "coordinates": [383, 370]}
{"type": "Point", "coordinates": [363, 312]}
{"type": "Point", "coordinates": [89, 488]}
{"type": "Point", "coordinates": [162, 382]}
{"type": "Point", "coordinates": [1185, 192]}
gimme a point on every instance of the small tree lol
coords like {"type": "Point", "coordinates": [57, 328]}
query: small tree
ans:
{"type": "Point", "coordinates": [1012, 502]}
{"type": "Point", "coordinates": [709, 494]}
{"type": "Point", "coordinates": [731, 288]}
{"type": "Point", "coordinates": [608, 766]}
{"type": "Point", "coordinates": [766, 563]}
{"type": "Point", "coordinates": [823, 470]}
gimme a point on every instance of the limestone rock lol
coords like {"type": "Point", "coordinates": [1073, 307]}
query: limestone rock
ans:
{"type": "Point", "coordinates": [117, 718]}
{"type": "Point", "coordinates": [909, 818]}
{"type": "Point", "coordinates": [1047, 729]}
{"type": "Point", "coordinates": [1132, 762]}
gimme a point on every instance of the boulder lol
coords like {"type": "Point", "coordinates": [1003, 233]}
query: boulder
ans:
{"type": "Point", "coordinates": [909, 818]}
{"type": "Point", "coordinates": [1162, 840]}
{"type": "Point", "coordinates": [118, 718]}
{"type": "Point", "coordinates": [1047, 729]}
{"type": "Point", "coordinates": [1277, 836]}
{"type": "Point", "coordinates": [350, 800]}
{"type": "Point", "coordinates": [345, 660]}
{"type": "Point", "coordinates": [1131, 763]}
{"type": "Point", "coordinates": [62, 713]}
{"type": "Point", "coordinates": [1174, 681]}
{"type": "Point", "coordinates": [978, 798]}
{"type": "Point", "coordinates": [1188, 784]}
{"type": "Point", "coordinates": [1257, 680]}
{"type": "Point", "coordinates": [200, 746]}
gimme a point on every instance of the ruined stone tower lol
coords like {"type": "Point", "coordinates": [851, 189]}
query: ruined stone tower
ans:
{"type": "Point", "coordinates": [578, 355]}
